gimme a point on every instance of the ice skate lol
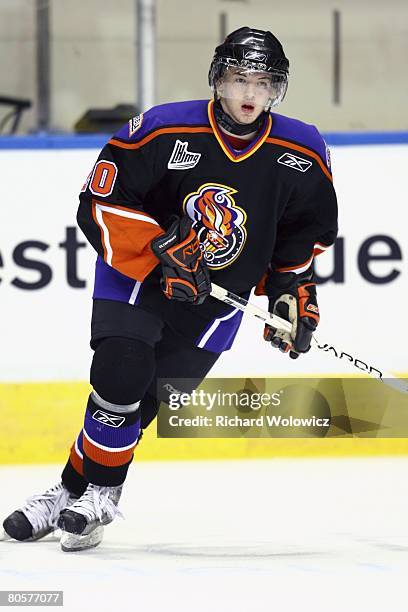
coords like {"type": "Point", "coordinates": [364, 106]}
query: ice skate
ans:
{"type": "Point", "coordinates": [82, 524]}
{"type": "Point", "coordinates": [38, 517]}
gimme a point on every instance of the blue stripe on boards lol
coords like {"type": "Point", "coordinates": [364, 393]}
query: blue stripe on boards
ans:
{"type": "Point", "coordinates": [97, 141]}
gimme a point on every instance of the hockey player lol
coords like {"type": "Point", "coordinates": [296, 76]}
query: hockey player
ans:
{"type": "Point", "coordinates": [185, 194]}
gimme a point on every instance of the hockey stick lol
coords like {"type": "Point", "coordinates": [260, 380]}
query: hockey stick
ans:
{"type": "Point", "coordinates": [241, 304]}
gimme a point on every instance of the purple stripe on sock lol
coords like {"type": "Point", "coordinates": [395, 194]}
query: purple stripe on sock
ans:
{"type": "Point", "coordinates": [110, 429]}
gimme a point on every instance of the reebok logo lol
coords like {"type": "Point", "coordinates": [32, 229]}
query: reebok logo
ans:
{"type": "Point", "coordinates": [255, 55]}
{"type": "Point", "coordinates": [112, 420]}
{"type": "Point", "coordinates": [181, 159]}
{"type": "Point", "coordinates": [295, 162]}
{"type": "Point", "coordinates": [172, 389]}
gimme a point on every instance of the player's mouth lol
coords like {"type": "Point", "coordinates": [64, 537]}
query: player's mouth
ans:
{"type": "Point", "coordinates": [247, 109]}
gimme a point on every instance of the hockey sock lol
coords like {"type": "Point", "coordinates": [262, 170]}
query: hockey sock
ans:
{"type": "Point", "coordinates": [73, 473]}
{"type": "Point", "coordinates": [149, 407]}
{"type": "Point", "coordinates": [110, 435]}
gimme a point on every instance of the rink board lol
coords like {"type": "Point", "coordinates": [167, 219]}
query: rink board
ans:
{"type": "Point", "coordinates": [47, 269]}
{"type": "Point", "coordinates": [40, 421]}
{"type": "Point", "coordinates": [46, 279]}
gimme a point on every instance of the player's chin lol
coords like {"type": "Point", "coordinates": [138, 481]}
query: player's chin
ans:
{"type": "Point", "coordinates": [245, 119]}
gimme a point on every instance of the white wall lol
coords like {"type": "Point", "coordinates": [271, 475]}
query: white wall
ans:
{"type": "Point", "coordinates": [93, 49]}
{"type": "Point", "coordinates": [45, 332]}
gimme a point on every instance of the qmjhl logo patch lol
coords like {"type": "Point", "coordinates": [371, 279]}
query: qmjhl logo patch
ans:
{"type": "Point", "coordinates": [295, 162]}
{"type": "Point", "coordinates": [112, 420]}
{"type": "Point", "coordinates": [181, 158]}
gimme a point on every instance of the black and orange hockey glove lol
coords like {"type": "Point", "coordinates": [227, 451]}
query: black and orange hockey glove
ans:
{"type": "Point", "coordinates": [292, 297]}
{"type": "Point", "coordinates": [185, 276]}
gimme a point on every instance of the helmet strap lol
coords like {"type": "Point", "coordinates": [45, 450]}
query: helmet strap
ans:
{"type": "Point", "coordinates": [238, 129]}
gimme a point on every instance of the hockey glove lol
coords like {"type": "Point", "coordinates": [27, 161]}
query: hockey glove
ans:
{"type": "Point", "coordinates": [185, 276]}
{"type": "Point", "coordinates": [292, 297]}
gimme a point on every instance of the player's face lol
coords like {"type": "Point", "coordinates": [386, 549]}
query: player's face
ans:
{"type": "Point", "coordinates": [244, 94]}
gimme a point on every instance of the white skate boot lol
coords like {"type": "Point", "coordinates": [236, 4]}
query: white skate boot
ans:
{"type": "Point", "coordinates": [39, 516]}
{"type": "Point", "coordinates": [82, 523]}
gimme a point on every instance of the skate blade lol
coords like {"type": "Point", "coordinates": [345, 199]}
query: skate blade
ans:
{"type": "Point", "coordinates": [71, 542]}
{"type": "Point", "coordinates": [4, 536]}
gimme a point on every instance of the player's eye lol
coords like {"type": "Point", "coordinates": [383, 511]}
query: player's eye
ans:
{"type": "Point", "coordinates": [263, 84]}
{"type": "Point", "coordinates": [239, 80]}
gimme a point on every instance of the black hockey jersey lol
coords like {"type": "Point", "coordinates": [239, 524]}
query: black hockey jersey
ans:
{"type": "Point", "coordinates": [270, 204]}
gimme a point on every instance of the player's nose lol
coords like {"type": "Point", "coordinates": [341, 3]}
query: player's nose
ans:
{"type": "Point", "coordinates": [250, 92]}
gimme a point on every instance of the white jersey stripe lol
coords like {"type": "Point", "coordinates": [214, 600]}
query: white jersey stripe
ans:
{"type": "Point", "coordinates": [135, 292]}
{"type": "Point", "coordinates": [100, 209]}
{"type": "Point", "coordinates": [318, 246]}
{"type": "Point", "coordinates": [125, 213]}
{"type": "Point", "coordinates": [214, 328]}
{"type": "Point", "coordinates": [106, 239]}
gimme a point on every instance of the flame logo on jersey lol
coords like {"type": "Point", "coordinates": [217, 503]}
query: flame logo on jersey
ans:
{"type": "Point", "coordinates": [218, 222]}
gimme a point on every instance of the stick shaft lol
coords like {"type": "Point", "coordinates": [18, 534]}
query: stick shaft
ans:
{"type": "Point", "coordinates": [241, 304]}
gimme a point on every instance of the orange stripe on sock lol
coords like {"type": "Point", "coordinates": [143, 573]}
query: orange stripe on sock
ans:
{"type": "Point", "coordinates": [76, 461]}
{"type": "Point", "coordinates": [106, 458]}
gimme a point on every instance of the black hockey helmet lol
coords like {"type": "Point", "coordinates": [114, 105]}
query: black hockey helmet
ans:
{"type": "Point", "coordinates": [252, 50]}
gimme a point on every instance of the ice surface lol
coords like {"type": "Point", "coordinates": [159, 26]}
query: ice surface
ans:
{"type": "Point", "coordinates": [282, 535]}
